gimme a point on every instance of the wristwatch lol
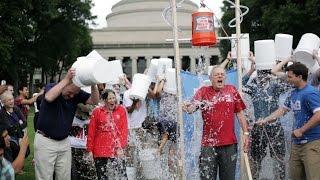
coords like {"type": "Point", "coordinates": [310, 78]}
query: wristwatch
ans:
{"type": "Point", "coordinates": [246, 133]}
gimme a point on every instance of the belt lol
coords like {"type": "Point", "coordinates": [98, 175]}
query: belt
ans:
{"type": "Point", "coordinates": [43, 134]}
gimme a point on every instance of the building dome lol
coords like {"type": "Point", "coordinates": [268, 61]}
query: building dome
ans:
{"type": "Point", "coordinates": [137, 33]}
{"type": "Point", "coordinates": [147, 13]}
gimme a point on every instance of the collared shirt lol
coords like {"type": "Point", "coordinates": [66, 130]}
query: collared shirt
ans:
{"type": "Point", "coordinates": [304, 103]}
{"type": "Point", "coordinates": [55, 118]}
{"type": "Point", "coordinates": [218, 111]}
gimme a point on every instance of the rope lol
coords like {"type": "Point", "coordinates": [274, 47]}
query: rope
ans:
{"type": "Point", "coordinates": [271, 146]}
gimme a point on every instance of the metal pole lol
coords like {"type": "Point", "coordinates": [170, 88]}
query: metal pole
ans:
{"type": "Point", "coordinates": [181, 161]}
{"type": "Point", "coordinates": [244, 156]}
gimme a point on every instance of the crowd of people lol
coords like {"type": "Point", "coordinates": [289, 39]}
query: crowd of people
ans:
{"type": "Point", "coordinates": [101, 131]}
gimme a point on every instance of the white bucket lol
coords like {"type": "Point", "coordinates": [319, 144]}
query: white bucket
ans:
{"type": "Point", "coordinates": [265, 54]}
{"type": "Point", "coordinates": [314, 68]}
{"type": "Point", "coordinates": [163, 65]}
{"type": "Point", "coordinates": [75, 65]}
{"type": "Point", "coordinates": [153, 69]}
{"type": "Point", "coordinates": [131, 173]}
{"type": "Point", "coordinates": [94, 55]}
{"type": "Point", "coordinates": [170, 84]}
{"type": "Point", "coordinates": [140, 86]}
{"type": "Point", "coordinates": [283, 46]}
{"type": "Point", "coordinates": [90, 70]}
{"type": "Point", "coordinates": [113, 72]}
{"type": "Point", "coordinates": [151, 164]}
{"type": "Point", "coordinates": [86, 89]}
{"type": "Point", "coordinates": [245, 46]}
{"type": "Point", "coordinates": [303, 52]}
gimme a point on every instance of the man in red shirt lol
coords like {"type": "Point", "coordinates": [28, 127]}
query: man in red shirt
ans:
{"type": "Point", "coordinates": [218, 104]}
{"type": "Point", "coordinates": [22, 102]}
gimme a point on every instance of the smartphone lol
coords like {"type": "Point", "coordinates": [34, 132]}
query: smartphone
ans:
{"type": "Point", "coordinates": [25, 131]}
{"type": "Point", "coordinates": [3, 82]}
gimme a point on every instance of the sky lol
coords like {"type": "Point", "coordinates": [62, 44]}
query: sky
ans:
{"type": "Point", "coordinates": [103, 7]}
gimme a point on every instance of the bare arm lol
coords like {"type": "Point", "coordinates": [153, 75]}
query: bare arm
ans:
{"type": "Point", "coordinates": [163, 141]}
{"type": "Point", "coordinates": [253, 64]}
{"type": "Point", "coordinates": [189, 107]}
{"type": "Point", "coordinates": [244, 125]}
{"type": "Point", "coordinates": [18, 163]}
{"type": "Point", "coordinates": [242, 120]}
{"type": "Point", "coordinates": [55, 91]}
{"type": "Point", "coordinates": [160, 86]}
{"type": "Point", "coordinates": [3, 88]}
{"type": "Point", "coordinates": [273, 116]}
{"type": "Point", "coordinates": [127, 83]}
{"type": "Point", "coordinates": [226, 61]}
{"type": "Point", "coordinates": [276, 70]}
{"type": "Point", "coordinates": [33, 99]}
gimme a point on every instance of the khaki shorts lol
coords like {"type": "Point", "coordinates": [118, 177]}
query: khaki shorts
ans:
{"type": "Point", "coordinates": [305, 161]}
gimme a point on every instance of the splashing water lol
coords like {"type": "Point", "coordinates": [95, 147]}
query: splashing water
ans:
{"type": "Point", "coordinates": [269, 140]}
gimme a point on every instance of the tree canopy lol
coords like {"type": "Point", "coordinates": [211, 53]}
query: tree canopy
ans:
{"type": "Point", "coordinates": [270, 17]}
{"type": "Point", "coordinates": [47, 34]}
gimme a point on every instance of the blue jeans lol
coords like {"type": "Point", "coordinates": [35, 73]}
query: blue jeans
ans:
{"type": "Point", "coordinates": [223, 158]}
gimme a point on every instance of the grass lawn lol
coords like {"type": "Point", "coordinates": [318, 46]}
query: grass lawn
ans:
{"type": "Point", "coordinates": [28, 167]}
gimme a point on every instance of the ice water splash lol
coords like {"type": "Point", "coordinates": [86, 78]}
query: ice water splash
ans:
{"type": "Point", "coordinates": [266, 91]}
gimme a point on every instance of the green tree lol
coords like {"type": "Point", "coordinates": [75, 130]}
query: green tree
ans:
{"type": "Point", "coordinates": [267, 18]}
{"type": "Point", "coordinates": [47, 34]}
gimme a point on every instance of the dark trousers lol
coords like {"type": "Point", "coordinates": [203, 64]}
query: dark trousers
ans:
{"type": "Point", "coordinates": [110, 168]}
{"type": "Point", "coordinates": [82, 169]}
{"type": "Point", "coordinates": [223, 158]}
{"type": "Point", "coordinates": [258, 148]}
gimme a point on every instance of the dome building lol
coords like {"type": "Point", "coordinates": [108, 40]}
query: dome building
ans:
{"type": "Point", "coordinates": [137, 33]}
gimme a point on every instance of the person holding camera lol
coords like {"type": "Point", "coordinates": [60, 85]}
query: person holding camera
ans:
{"type": "Point", "coordinates": [15, 121]}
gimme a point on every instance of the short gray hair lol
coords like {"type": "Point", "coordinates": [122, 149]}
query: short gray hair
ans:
{"type": "Point", "coordinates": [5, 95]}
{"type": "Point", "coordinates": [214, 68]}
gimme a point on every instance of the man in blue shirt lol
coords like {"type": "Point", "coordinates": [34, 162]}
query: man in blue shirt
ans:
{"type": "Point", "coordinates": [304, 101]}
{"type": "Point", "coordinates": [52, 151]}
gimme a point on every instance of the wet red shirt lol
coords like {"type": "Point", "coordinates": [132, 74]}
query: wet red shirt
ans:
{"type": "Point", "coordinates": [218, 108]}
{"type": "Point", "coordinates": [23, 107]}
{"type": "Point", "coordinates": [107, 131]}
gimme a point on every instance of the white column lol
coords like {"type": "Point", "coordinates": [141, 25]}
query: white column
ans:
{"type": "Point", "coordinates": [207, 60]}
{"type": "Point", "coordinates": [134, 64]}
{"type": "Point", "coordinates": [192, 64]}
